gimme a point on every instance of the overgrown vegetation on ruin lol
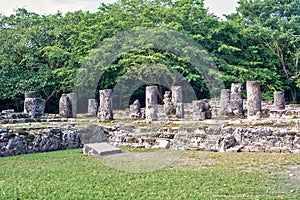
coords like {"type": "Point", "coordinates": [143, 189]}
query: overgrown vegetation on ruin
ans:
{"type": "Point", "coordinates": [72, 175]}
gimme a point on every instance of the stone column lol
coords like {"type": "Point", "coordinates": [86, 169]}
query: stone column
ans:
{"type": "Point", "coordinates": [180, 110]}
{"type": "Point", "coordinates": [33, 106]}
{"type": "Point", "coordinates": [198, 110]}
{"type": "Point", "coordinates": [279, 101]}
{"type": "Point", "coordinates": [92, 107]}
{"type": "Point", "coordinates": [40, 107]}
{"type": "Point", "coordinates": [151, 103]}
{"type": "Point", "coordinates": [177, 99]}
{"type": "Point", "coordinates": [65, 106]}
{"type": "Point", "coordinates": [207, 108]}
{"type": "Point", "coordinates": [105, 108]}
{"type": "Point", "coordinates": [30, 104]}
{"type": "Point", "coordinates": [176, 95]}
{"type": "Point", "coordinates": [224, 101]}
{"type": "Point", "coordinates": [168, 105]}
{"type": "Point", "coordinates": [236, 99]}
{"type": "Point", "coordinates": [253, 99]}
{"type": "Point", "coordinates": [73, 99]}
{"type": "Point", "coordinates": [135, 110]}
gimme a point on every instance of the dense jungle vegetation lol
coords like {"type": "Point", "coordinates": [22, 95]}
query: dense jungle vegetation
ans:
{"type": "Point", "coordinates": [44, 53]}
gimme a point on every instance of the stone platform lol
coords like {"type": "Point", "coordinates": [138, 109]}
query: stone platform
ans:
{"type": "Point", "coordinates": [101, 149]}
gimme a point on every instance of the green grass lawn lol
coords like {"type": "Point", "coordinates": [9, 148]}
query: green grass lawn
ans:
{"type": "Point", "coordinates": [72, 175]}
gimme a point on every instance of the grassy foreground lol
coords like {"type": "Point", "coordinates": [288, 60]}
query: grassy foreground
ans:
{"type": "Point", "coordinates": [72, 175]}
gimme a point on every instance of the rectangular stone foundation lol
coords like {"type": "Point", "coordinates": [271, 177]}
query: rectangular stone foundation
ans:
{"type": "Point", "coordinates": [101, 149]}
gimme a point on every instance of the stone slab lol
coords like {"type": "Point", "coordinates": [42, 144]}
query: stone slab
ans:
{"type": "Point", "coordinates": [101, 149]}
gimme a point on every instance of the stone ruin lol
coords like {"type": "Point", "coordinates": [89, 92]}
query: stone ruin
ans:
{"type": "Point", "coordinates": [135, 110]}
{"type": "Point", "coordinates": [92, 107]}
{"type": "Point", "coordinates": [173, 105]}
{"type": "Point", "coordinates": [168, 105]}
{"type": "Point", "coordinates": [65, 106]}
{"type": "Point", "coordinates": [68, 105]}
{"type": "Point", "coordinates": [33, 106]}
{"type": "Point", "coordinates": [237, 131]}
{"type": "Point", "coordinates": [105, 112]}
{"type": "Point", "coordinates": [151, 103]}
{"type": "Point", "coordinates": [230, 104]}
{"type": "Point", "coordinates": [201, 110]}
{"type": "Point", "coordinates": [253, 100]}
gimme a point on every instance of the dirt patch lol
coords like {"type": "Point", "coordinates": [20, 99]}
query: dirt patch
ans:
{"type": "Point", "coordinates": [141, 162]}
{"type": "Point", "coordinates": [291, 176]}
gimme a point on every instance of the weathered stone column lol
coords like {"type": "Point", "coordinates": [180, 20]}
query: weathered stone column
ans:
{"type": "Point", "coordinates": [168, 106]}
{"type": "Point", "coordinates": [151, 103]}
{"type": "Point", "coordinates": [92, 107]}
{"type": "Point", "coordinates": [207, 108]}
{"type": "Point", "coordinates": [73, 99]}
{"type": "Point", "coordinates": [30, 104]}
{"type": "Point", "coordinates": [176, 95]}
{"type": "Point", "coordinates": [279, 101]}
{"type": "Point", "coordinates": [177, 99]}
{"type": "Point", "coordinates": [65, 106]}
{"type": "Point", "coordinates": [236, 99]}
{"type": "Point", "coordinates": [224, 101]}
{"type": "Point", "coordinates": [33, 106]}
{"type": "Point", "coordinates": [105, 112]}
{"type": "Point", "coordinates": [135, 110]}
{"type": "Point", "coordinates": [198, 110]}
{"type": "Point", "coordinates": [253, 99]}
{"type": "Point", "coordinates": [40, 107]}
{"type": "Point", "coordinates": [180, 110]}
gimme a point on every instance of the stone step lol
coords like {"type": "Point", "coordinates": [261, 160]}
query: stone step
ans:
{"type": "Point", "coordinates": [101, 149]}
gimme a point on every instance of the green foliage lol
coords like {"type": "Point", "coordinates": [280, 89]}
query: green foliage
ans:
{"type": "Point", "coordinates": [45, 52]}
{"type": "Point", "coordinates": [275, 25]}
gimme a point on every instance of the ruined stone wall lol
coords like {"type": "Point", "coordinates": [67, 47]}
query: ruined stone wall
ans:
{"type": "Point", "coordinates": [22, 141]}
{"type": "Point", "coordinates": [32, 140]}
{"type": "Point", "coordinates": [209, 138]}
{"type": "Point", "coordinates": [229, 138]}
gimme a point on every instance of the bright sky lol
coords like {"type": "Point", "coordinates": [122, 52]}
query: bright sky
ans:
{"type": "Point", "coordinates": [219, 7]}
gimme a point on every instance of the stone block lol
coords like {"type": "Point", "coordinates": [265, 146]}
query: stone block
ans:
{"type": "Point", "coordinates": [162, 144]}
{"type": "Point", "coordinates": [101, 149]}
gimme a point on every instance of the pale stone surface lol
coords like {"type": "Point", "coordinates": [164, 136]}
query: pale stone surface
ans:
{"type": "Point", "coordinates": [180, 110]}
{"type": "Point", "coordinates": [226, 142]}
{"type": "Point", "coordinates": [237, 135]}
{"type": "Point", "coordinates": [201, 110]}
{"type": "Point", "coordinates": [177, 101]}
{"type": "Point", "coordinates": [151, 103]}
{"type": "Point", "coordinates": [105, 112]}
{"type": "Point", "coordinates": [253, 99]}
{"type": "Point", "coordinates": [101, 149]}
{"type": "Point", "coordinates": [279, 101]}
{"type": "Point", "coordinates": [236, 99]}
{"type": "Point", "coordinates": [224, 101]}
{"type": "Point", "coordinates": [162, 144]}
{"type": "Point", "coordinates": [33, 106]}
{"type": "Point", "coordinates": [37, 140]}
{"type": "Point", "coordinates": [92, 107]}
{"type": "Point", "coordinates": [73, 100]}
{"type": "Point", "coordinates": [135, 110]}
{"type": "Point", "coordinates": [92, 134]}
{"type": "Point", "coordinates": [198, 110]}
{"type": "Point", "coordinates": [211, 138]}
{"type": "Point", "coordinates": [176, 95]}
{"type": "Point", "coordinates": [168, 105]}
{"type": "Point", "coordinates": [65, 106]}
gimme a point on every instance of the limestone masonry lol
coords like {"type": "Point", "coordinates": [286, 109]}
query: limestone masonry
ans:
{"type": "Point", "coordinates": [231, 123]}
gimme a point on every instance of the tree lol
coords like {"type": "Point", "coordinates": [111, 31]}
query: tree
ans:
{"type": "Point", "coordinates": [275, 24]}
